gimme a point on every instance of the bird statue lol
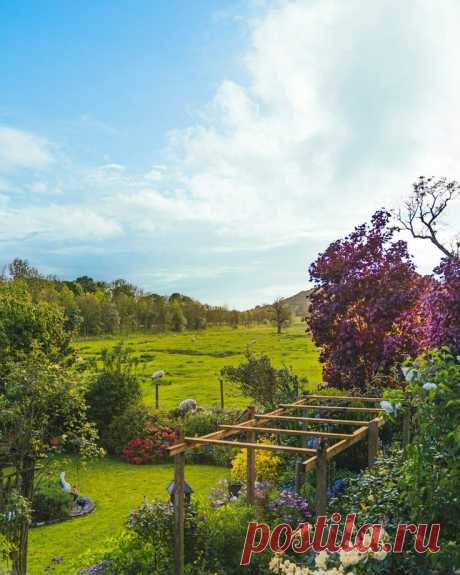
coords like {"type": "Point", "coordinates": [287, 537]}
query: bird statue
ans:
{"type": "Point", "coordinates": [158, 374]}
{"type": "Point", "coordinates": [64, 484]}
{"type": "Point", "coordinates": [243, 415]}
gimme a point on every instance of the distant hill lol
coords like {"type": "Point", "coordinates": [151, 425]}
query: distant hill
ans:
{"type": "Point", "coordinates": [299, 303]}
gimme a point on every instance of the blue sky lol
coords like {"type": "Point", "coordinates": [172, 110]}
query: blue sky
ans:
{"type": "Point", "coordinates": [215, 147]}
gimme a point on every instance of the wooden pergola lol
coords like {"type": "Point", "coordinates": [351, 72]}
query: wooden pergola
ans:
{"type": "Point", "coordinates": [330, 444]}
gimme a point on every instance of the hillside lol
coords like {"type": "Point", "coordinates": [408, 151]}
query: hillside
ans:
{"type": "Point", "coordinates": [299, 302]}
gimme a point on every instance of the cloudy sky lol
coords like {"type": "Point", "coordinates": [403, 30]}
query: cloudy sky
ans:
{"type": "Point", "coordinates": [215, 147]}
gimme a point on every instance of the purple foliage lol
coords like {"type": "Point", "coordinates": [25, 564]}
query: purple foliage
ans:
{"type": "Point", "coordinates": [366, 286]}
{"type": "Point", "coordinates": [443, 306]}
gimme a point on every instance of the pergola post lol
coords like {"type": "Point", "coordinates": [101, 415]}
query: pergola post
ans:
{"type": "Point", "coordinates": [179, 507]}
{"type": "Point", "coordinates": [406, 425]}
{"type": "Point", "coordinates": [299, 476]}
{"type": "Point", "coordinates": [321, 479]}
{"type": "Point", "coordinates": [373, 442]}
{"type": "Point", "coordinates": [251, 461]}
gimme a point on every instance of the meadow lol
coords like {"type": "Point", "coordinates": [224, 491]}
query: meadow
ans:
{"type": "Point", "coordinates": [192, 360]}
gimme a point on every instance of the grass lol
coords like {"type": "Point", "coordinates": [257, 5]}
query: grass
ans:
{"type": "Point", "coordinates": [192, 360]}
{"type": "Point", "coordinates": [117, 488]}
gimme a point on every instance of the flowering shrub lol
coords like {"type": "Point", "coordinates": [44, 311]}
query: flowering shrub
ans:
{"type": "Point", "coordinates": [325, 563]}
{"type": "Point", "coordinates": [267, 464]}
{"type": "Point", "coordinates": [289, 507]}
{"type": "Point", "coordinates": [152, 447]}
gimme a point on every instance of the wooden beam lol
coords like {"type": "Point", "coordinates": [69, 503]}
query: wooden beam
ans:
{"type": "Point", "coordinates": [303, 432]}
{"type": "Point", "coordinates": [343, 398]}
{"type": "Point", "coordinates": [220, 434]}
{"type": "Point", "coordinates": [336, 408]}
{"type": "Point", "coordinates": [315, 420]}
{"type": "Point", "coordinates": [263, 446]}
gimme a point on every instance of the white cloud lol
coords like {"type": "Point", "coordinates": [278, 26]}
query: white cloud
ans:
{"type": "Point", "coordinates": [346, 104]}
{"type": "Point", "coordinates": [56, 223]}
{"type": "Point", "coordinates": [19, 149]}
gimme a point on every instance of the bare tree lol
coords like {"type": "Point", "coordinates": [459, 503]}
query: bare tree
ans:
{"type": "Point", "coordinates": [424, 208]}
{"type": "Point", "coordinates": [281, 314]}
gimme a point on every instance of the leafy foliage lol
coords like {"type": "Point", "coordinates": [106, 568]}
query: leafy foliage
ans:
{"type": "Point", "coordinates": [115, 388]}
{"type": "Point", "coordinates": [258, 379]}
{"type": "Point", "coordinates": [267, 465]}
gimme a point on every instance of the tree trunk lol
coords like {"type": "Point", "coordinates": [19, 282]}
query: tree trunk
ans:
{"type": "Point", "coordinates": [26, 489]}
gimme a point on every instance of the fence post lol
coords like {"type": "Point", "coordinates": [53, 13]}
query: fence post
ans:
{"type": "Point", "coordinates": [179, 506]}
{"type": "Point", "coordinates": [221, 393]}
{"type": "Point", "coordinates": [321, 479]}
{"type": "Point", "coordinates": [157, 396]}
{"type": "Point", "coordinates": [372, 442]}
{"type": "Point", "coordinates": [251, 463]}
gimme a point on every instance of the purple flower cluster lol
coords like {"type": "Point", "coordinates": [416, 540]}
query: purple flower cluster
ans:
{"type": "Point", "coordinates": [101, 568]}
{"type": "Point", "coordinates": [290, 507]}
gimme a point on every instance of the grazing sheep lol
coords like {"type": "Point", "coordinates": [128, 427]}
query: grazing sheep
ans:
{"type": "Point", "coordinates": [187, 405]}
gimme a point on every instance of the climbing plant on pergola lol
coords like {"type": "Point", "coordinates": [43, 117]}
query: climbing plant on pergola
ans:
{"type": "Point", "coordinates": [330, 444]}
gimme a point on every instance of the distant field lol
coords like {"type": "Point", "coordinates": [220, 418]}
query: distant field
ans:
{"type": "Point", "coordinates": [192, 360]}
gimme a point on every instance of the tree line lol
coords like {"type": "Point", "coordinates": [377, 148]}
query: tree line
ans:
{"type": "Point", "coordinates": [93, 308]}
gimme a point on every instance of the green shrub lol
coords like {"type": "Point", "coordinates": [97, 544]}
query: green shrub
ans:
{"type": "Point", "coordinates": [115, 387]}
{"type": "Point", "coordinates": [123, 427]}
{"type": "Point", "coordinates": [51, 502]}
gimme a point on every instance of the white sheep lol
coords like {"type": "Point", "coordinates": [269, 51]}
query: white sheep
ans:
{"type": "Point", "coordinates": [187, 405]}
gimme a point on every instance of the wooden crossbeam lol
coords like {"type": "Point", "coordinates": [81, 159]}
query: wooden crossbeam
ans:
{"type": "Point", "coordinates": [335, 408]}
{"type": "Point", "coordinates": [313, 420]}
{"type": "Point", "coordinates": [340, 446]}
{"type": "Point", "coordinates": [344, 398]}
{"type": "Point", "coordinates": [303, 432]}
{"type": "Point", "coordinates": [262, 446]}
{"type": "Point", "coordinates": [221, 433]}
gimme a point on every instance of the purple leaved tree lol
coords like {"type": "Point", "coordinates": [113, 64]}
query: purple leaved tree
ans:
{"type": "Point", "coordinates": [365, 304]}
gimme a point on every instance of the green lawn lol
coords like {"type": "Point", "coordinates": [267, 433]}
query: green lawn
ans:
{"type": "Point", "coordinates": [192, 360]}
{"type": "Point", "coordinates": [117, 488]}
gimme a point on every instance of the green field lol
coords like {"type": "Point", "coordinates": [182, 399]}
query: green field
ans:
{"type": "Point", "coordinates": [117, 488]}
{"type": "Point", "coordinates": [192, 360]}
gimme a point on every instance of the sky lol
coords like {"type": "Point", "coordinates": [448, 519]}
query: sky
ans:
{"type": "Point", "coordinates": [216, 147]}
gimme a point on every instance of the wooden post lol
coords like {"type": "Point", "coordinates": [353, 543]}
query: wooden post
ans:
{"type": "Point", "coordinates": [157, 396]}
{"type": "Point", "coordinates": [251, 463]}
{"type": "Point", "coordinates": [221, 393]}
{"type": "Point", "coordinates": [299, 476]}
{"type": "Point", "coordinates": [321, 479]}
{"type": "Point", "coordinates": [372, 442]}
{"type": "Point", "coordinates": [179, 506]}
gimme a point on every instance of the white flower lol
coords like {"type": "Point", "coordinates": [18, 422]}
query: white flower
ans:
{"type": "Point", "coordinates": [429, 385]}
{"type": "Point", "coordinates": [379, 555]}
{"type": "Point", "coordinates": [348, 558]}
{"type": "Point", "coordinates": [274, 564]}
{"type": "Point", "coordinates": [390, 408]}
{"type": "Point", "coordinates": [387, 406]}
{"type": "Point", "coordinates": [321, 559]}
{"type": "Point", "coordinates": [409, 373]}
